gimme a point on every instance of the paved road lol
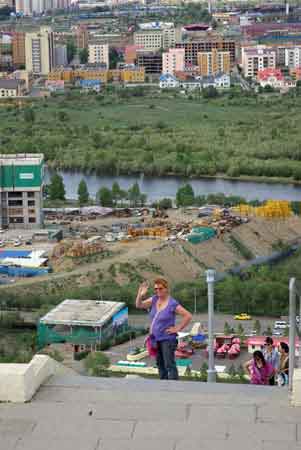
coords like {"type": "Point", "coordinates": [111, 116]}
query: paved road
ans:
{"type": "Point", "coordinates": [82, 413]}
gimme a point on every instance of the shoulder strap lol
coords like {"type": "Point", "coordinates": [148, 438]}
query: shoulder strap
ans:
{"type": "Point", "coordinates": [153, 321]}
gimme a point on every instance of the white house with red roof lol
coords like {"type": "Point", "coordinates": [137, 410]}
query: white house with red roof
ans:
{"type": "Point", "coordinates": [274, 78]}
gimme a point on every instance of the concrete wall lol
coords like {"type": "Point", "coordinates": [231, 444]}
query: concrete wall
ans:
{"type": "Point", "coordinates": [19, 382]}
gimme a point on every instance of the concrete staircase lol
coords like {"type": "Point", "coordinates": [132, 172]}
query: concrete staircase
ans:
{"type": "Point", "coordinates": [85, 413]}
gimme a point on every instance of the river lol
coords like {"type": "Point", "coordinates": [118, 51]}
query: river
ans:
{"type": "Point", "coordinates": [159, 187]}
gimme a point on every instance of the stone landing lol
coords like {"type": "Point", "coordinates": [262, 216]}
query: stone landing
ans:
{"type": "Point", "coordinates": [83, 413]}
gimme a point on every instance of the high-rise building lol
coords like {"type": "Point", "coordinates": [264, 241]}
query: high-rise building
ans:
{"type": "Point", "coordinates": [18, 49]}
{"type": "Point", "coordinates": [151, 61]}
{"type": "Point", "coordinates": [39, 51]}
{"type": "Point", "coordinates": [98, 54]}
{"type": "Point", "coordinates": [173, 61]}
{"type": "Point", "coordinates": [60, 55]}
{"type": "Point", "coordinates": [81, 36]}
{"type": "Point", "coordinates": [155, 36]}
{"type": "Point", "coordinates": [21, 184]}
{"type": "Point", "coordinates": [293, 57]}
{"type": "Point", "coordinates": [214, 62]}
{"type": "Point", "coordinates": [257, 58]}
{"type": "Point", "coordinates": [24, 7]}
{"type": "Point", "coordinates": [192, 48]}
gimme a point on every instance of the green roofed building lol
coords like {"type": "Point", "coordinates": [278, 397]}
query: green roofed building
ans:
{"type": "Point", "coordinates": [21, 185]}
{"type": "Point", "coordinates": [85, 324]}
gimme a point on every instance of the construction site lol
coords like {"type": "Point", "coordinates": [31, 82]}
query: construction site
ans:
{"type": "Point", "coordinates": [179, 243]}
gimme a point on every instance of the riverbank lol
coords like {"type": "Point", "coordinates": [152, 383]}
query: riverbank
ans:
{"type": "Point", "coordinates": [232, 138]}
{"type": "Point", "coordinates": [156, 188]}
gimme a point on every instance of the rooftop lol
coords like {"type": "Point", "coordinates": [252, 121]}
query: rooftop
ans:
{"type": "Point", "coordinates": [10, 84]}
{"type": "Point", "coordinates": [28, 158]}
{"type": "Point", "coordinates": [82, 312]}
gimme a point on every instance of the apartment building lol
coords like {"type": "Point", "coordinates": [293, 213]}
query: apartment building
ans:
{"type": "Point", "coordinates": [257, 58]}
{"type": "Point", "coordinates": [151, 61]}
{"type": "Point", "coordinates": [149, 40]}
{"type": "Point", "coordinates": [30, 7]}
{"type": "Point", "coordinates": [192, 48]}
{"type": "Point", "coordinates": [39, 51]}
{"type": "Point", "coordinates": [132, 75]}
{"type": "Point", "coordinates": [173, 60]}
{"type": "Point", "coordinates": [214, 62]}
{"type": "Point", "coordinates": [98, 54]}
{"type": "Point", "coordinates": [293, 57]}
{"type": "Point", "coordinates": [70, 76]}
{"type": "Point", "coordinates": [155, 39]}
{"type": "Point", "coordinates": [18, 49]}
{"type": "Point", "coordinates": [81, 36]}
{"type": "Point", "coordinates": [21, 184]}
{"type": "Point", "coordinates": [60, 55]}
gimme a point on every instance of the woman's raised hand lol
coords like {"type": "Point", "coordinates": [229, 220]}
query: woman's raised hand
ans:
{"type": "Point", "coordinates": [143, 288]}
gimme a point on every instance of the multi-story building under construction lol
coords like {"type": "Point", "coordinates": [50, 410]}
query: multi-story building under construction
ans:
{"type": "Point", "coordinates": [21, 184]}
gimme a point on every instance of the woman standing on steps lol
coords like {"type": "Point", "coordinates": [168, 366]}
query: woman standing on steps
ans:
{"type": "Point", "coordinates": [163, 311]}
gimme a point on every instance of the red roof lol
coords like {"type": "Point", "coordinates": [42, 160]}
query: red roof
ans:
{"type": "Point", "coordinates": [197, 27]}
{"type": "Point", "coordinates": [260, 340]}
{"type": "Point", "coordinates": [265, 74]}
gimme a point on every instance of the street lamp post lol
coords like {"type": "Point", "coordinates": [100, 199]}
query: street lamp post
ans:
{"type": "Point", "coordinates": [211, 373]}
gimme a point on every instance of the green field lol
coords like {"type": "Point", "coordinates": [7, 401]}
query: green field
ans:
{"type": "Point", "coordinates": [117, 132]}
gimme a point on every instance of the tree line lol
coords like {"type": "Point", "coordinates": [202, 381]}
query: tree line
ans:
{"type": "Point", "coordinates": [105, 196]}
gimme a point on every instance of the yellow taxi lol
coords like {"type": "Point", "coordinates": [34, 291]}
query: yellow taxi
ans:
{"type": "Point", "coordinates": [242, 316]}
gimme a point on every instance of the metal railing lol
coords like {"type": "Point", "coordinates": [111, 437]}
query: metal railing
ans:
{"type": "Point", "coordinates": [294, 294]}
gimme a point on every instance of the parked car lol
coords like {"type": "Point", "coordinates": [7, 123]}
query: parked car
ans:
{"type": "Point", "coordinates": [17, 243]}
{"type": "Point", "coordinates": [277, 332]}
{"type": "Point", "coordinates": [242, 316]}
{"type": "Point", "coordinates": [280, 324]}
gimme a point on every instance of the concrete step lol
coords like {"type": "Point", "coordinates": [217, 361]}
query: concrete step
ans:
{"type": "Point", "coordinates": [87, 413]}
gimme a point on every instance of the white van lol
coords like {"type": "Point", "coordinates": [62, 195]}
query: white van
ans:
{"type": "Point", "coordinates": [280, 325]}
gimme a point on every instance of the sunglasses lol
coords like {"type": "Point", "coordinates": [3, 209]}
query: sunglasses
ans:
{"type": "Point", "coordinates": [158, 288]}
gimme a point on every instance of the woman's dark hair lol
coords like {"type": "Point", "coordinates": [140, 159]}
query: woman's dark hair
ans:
{"type": "Point", "coordinates": [259, 354]}
{"type": "Point", "coordinates": [284, 346]}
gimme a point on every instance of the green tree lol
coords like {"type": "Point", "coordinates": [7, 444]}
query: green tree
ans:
{"type": "Point", "coordinates": [268, 331]}
{"type": "Point", "coordinates": [96, 363]}
{"type": "Point", "coordinates": [62, 116]}
{"type": "Point", "coordinates": [210, 92]}
{"type": "Point", "coordinates": [83, 193]}
{"type": "Point", "coordinates": [165, 203]}
{"type": "Point", "coordinates": [240, 371]}
{"type": "Point", "coordinates": [104, 196]}
{"type": "Point", "coordinates": [71, 50]}
{"type": "Point", "coordinates": [257, 326]}
{"type": "Point", "coordinates": [83, 56]}
{"type": "Point", "coordinates": [134, 195]}
{"type": "Point", "coordinates": [204, 369]}
{"type": "Point", "coordinates": [227, 329]}
{"type": "Point", "coordinates": [116, 192]}
{"type": "Point", "coordinates": [114, 58]}
{"type": "Point", "coordinates": [29, 115]}
{"type": "Point", "coordinates": [56, 187]}
{"type": "Point", "coordinates": [232, 371]}
{"type": "Point", "coordinates": [240, 330]}
{"type": "Point", "coordinates": [185, 195]}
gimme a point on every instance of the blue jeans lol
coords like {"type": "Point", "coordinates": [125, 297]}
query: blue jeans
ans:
{"type": "Point", "coordinates": [166, 360]}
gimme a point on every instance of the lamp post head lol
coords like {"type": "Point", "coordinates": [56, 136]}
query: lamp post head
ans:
{"type": "Point", "coordinates": [210, 275]}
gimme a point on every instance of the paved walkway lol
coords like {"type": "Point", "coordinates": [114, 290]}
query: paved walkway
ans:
{"type": "Point", "coordinates": [83, 413]}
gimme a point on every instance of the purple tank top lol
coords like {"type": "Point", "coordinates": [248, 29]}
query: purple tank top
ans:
{"type": "Point", "coordinates": [165, 318]}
